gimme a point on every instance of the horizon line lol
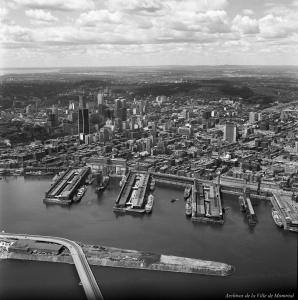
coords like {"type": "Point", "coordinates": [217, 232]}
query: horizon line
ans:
{"type": "Point", "coordinates": [152, 66]}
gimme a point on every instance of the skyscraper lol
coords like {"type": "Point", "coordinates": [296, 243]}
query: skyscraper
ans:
{"type": "Point", "coordinates": [81, 102]}
{"type": "Point", "coordinates": [252, 117]}
{"type": "Point", "coordinates": [230, 133]}
{"type": "Point", "coordinates": [100, 99]}
{"type": "Point", "coordinates": [83, 121]}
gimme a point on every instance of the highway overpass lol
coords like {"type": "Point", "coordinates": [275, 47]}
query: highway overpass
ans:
{"type": "Point", "coordinates": [87, 278]}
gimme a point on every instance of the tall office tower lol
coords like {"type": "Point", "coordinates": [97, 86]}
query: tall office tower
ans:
{"type": "Point", "coordinates": [81, 102]}
{"type": "Point", "coordinates": [124, 110]}
{"type": "Point", "coordinates": [83, 121]}
{"type": "Point", "coordinates": [71, 105]}
{"type": "Point", "coordinates": [118, 109]}
{"type": "Point", "coordinates": [252, 117]}
{"type": "Point", "coordinates": [100, 99]}
{"type": "Point", "coordinates": [283, 115]}
{"type": "Point", "coordinates": [230, 133]}
{"type": "Point", "coordinates": [100, 103]}
{"type": "Point", "coordinates": [52, 119]}
{"type": "Point", "coordinates": [259, 117]}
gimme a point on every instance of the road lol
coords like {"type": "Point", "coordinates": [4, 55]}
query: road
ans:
{"type": "Point", "coordinates": [87, 278]}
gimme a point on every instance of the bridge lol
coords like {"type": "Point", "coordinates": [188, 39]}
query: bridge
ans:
{"type": "Point", "coordinates": [87, 278]}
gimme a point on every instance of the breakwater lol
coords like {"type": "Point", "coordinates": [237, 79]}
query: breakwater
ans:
{"type": "Point", "coordinates": [123, 258]}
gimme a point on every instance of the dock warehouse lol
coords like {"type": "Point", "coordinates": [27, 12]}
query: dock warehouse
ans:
{"type": "Point", "coordinates": [28, 246]}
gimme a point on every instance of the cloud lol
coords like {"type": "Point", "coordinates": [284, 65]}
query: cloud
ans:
{"type": "Point", "coordinates": [247, 11]}
{"type": "Point", "coordinates": [3, 12]}
{"type": "Point", "coordinates": [41, 15]}
{"type": "Point", "coordinates": [95, 17]}
{"type": "Point", "coordinates": [195, 5]}
{"type": "Point", "coordinates": [272, 26]}
{"type": "Point", "coordinates": [135, 6]}
{"type": "Point", "coordinates": [62, 5]}
{"type": "Point", "coordinates": [245, 25]}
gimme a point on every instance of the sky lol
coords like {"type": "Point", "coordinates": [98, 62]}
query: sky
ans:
{"type": "Point", "coordinates": [94, 33]}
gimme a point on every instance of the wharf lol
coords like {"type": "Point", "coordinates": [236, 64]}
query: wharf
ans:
{"type": "Point", "coordinates": [131, 198]}
{"type": "Point", "coordinates": [131, 259]}
{"type": "Point", "coordinates": [206, 203]}
{"type": "Point", "coordinates": [288, 210]}
{"type": "Point", "coordinates": [66, 185]}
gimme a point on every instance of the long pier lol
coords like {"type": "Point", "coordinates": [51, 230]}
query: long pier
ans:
{"type": "Point", "coordinates": [87, 278]}
{"type": "Point", "coordinates": [206, 203]}
{"type": "Point", "coordinates": [133, 193]}
{"type": "Point", "coordinates": [122, 258]}
{"type": "Point", "coordinates": [64, 188]}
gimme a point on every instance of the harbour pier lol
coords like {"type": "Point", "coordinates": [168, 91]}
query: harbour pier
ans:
{"type": "Point", "coordinates": [287, 211]}
{"type": "Point", "coordinates": [66, 185]}
{"type": "Point", "coordinates": [247, 208]}
{"type": "Point", "coordinates": [82, 255]}
{"type": "Point", "coordinates": [206, 203]}
{"type": "Point", "coordinates": [132, 196]}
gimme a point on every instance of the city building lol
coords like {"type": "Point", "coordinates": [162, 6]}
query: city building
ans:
{"type": "Point", "coordinates": [230, 133]}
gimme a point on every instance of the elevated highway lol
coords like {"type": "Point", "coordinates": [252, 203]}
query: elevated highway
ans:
{"type": "Point", "coordinates": [87, 278]}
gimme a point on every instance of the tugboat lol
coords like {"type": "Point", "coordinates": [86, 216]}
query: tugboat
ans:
{"type": "Point", "coordinates": [152, 184]}
{"type": "Point", "coordinates": [174, 200]}
{"type": "Point", "coordinates": [277, 218]}
{"type": "Point", "coordinates": [188, 209]}
{"type": "Point", "coordinates": [149, 204]}
{"type": "Point", "coordinates": [242, 204]}
{"type": "Point", "coordinates": [80, 194]}
{"type": "Point", "coordinates": [104, 184]}
{"type": "Point", "coordinates": [187, 192]}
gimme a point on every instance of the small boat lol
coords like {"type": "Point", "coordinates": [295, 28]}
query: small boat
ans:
{"type": "Point", "coordinates": [80, 194]}
{"type": "Point", "coordinates": [187, 192]}
{"type": "Point", "coordinates": [174, 199]}
{"type": "Point", "coordinates": [104, 184]}
{"type": "Point", "coordinates": [277, 218]}
{"type": "Point", "coordinates": [122, 181]}
{"type": "Point", "coordinates": [188, 209]}
{"type": "Point", "coordinates": [152, 184]}
{"type": "Point", "coordinates": [90, 179]}
{"type": "Point", "coordinates": [149, 204]}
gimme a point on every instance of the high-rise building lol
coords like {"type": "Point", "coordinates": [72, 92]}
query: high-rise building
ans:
{"type": "Point", "coordinates": [100, 103]}
{"type": "Point", "coordinates": [83, 121]}
{"type": "Point", "coordinates": [81, 102]}
{"type": "Point", "coordinates": [100, 99]}
{"type": "Point", "coordinates": [252, 117]}
{"type": "Point", "coordinates": [52, 119]}
{"type": "Point", "coordinates": [124, 110]}
{"type": "Point", "coordinates": [230, 133]}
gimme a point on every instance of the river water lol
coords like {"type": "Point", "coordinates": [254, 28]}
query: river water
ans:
{"type": "Point", "coordinates": [265, 258]}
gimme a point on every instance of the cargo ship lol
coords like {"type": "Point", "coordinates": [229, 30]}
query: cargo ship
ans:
{"type": "Point", "coordinates": [187, 192]}
{"type": "Point", "coordinates": [277, 218]}
{"type": "Point", "coordinates": [188, 208]}
{"type": "Point", "coordinates": [149, 204]}
{"type": "Point", "coordinates": [80, 194]}
{"type": "Point", "coordinates": [152, 184]}
{"type": "Point", "coordinates": [103, 184]}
